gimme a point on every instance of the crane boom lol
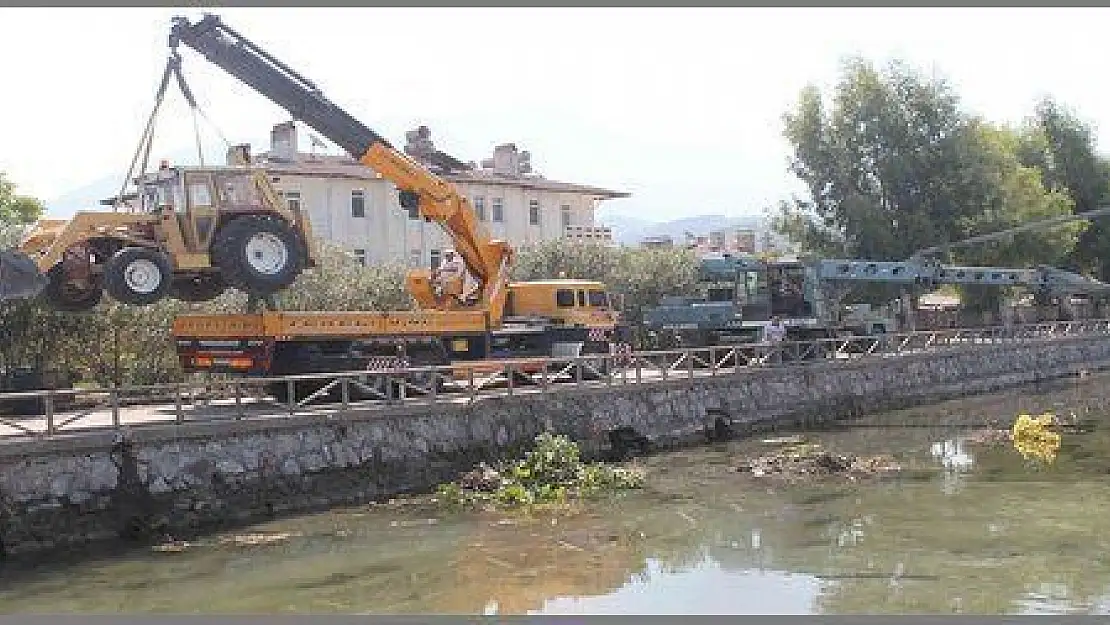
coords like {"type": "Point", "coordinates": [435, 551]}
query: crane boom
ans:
{"type": "Point", "coordinates": [991, 236]}
{"type": "Point", "coordinates": [1043, 279]}
{"type": "Point", "coordinates": [436, 199]}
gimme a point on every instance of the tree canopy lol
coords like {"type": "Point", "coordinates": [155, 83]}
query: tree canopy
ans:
{"type": "Point", "coordinates": [893, 164]}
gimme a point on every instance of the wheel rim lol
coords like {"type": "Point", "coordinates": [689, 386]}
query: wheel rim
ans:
{"type": "Point", "coordinates": [142, 276]}
{"type": "Point", "coordinates": [266, 253]}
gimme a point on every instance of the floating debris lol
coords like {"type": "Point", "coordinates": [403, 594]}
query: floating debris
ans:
{"type": "Point", "coordinates": [176, 546]}
{"type": "Point", "coordinates": [252, 540]}
{"type": "Point", "coordinates": [803, 461]}
{"type": "Point", "coordinates": [1035, 438]}
{"type": "Point", "coordinates": [989, 437]}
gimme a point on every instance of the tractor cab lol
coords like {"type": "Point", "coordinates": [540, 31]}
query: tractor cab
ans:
{"type": "Point", "coordinates": [198, 199]}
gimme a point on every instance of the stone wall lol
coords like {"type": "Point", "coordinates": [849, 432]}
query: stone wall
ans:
{"type": "Point", "coordinates": [179, 480]}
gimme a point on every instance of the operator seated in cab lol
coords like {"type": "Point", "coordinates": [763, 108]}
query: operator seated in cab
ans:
{"type": "Point", "coordinates": [450, 278]}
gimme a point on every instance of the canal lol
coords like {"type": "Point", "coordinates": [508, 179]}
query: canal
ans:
{"type": "Point", "coordinates": [963, 529]}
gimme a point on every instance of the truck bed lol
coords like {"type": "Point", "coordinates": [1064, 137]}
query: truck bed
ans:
{"type": "Point", "coordinates": [291, 326]}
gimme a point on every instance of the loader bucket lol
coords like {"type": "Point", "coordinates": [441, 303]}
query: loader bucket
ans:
{"type": "Point", "coordinates": [20, 278]}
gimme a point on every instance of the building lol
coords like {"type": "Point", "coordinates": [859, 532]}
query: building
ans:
{"type": "Point", "coordinates": [657, 241]}
{"type": "Point", "coordinates": [350, 205]}
{"type": "Point", "coordinates": [730, 241]}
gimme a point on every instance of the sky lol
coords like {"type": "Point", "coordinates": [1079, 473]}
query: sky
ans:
{"type": "Point", "coordinates": [681, 107]}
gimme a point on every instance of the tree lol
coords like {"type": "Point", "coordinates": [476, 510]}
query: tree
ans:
{"type": "Point", "coordinates": [28, 332]}
{"type": "Point", "coordinates": [1004, 193]}
{"type": "Point", "coordinates": [642, 276]}
{"type": "Point", "coordinates": [1062, 146]}
{"type": "Point", "coordinates": [16, 211]}
{"type": "Point", "coordinates": [338, 282]}
{"type": "Point", "coordinates": [895, 165]}
{"type": "Point", "coordinates": [878, 165]}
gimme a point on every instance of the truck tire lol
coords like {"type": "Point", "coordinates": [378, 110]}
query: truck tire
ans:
{"type": "Point", "coordinates": [137, 276]}
{"type": "Point", "coordinates": [202, 288]}
{"type": "Point", "coordinates": [257, 255]}
{"type": "Point", "coordinates": [66, 298]}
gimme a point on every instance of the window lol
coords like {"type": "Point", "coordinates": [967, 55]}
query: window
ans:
{"type": "Point", "coordinates": [198, 194]}
{"type": "Point", "coordinates": [598, 299]}
{"type": "Point", "coordinates": [564, 212]}
{"type": "Point", "coordinates": [498, 210]}
{"type": "Point", "coordinates": [434, 258]}
{"type": "Point", "coordinates": [293, 200]}
{"type": "Point", "coordinates": [358, 203]}
{"type": "Point", "coordinates": [722, 294]}
{"type": "Point", "coordinates": [360, 257]}
{"type": "Point", "coordinates": [534, 212]}
{"type": "Point", "coordinates": [564, 298]}
{"type": "Point", "coordinates": [480, 207]}
{"type": "Point", "coordinates": [414, 258]}
{"type": "Point", "coordinates": [414, 212]}
{"type": "Point", "coordinates": [581, 298]}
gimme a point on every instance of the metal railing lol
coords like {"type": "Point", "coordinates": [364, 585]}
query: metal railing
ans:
{"type": "Point", "coordinates": [75, 410]}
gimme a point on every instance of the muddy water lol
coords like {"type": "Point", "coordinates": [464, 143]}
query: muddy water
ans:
{"type": "Point", "coordinates": [964, 529]}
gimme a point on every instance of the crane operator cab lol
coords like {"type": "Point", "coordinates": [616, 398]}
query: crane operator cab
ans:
{"type": "Point", "coordinates": [449, 279]}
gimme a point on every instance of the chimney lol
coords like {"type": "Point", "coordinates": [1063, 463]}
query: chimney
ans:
{"type": "Point", "coordinates": [504, 159]}
{"type": "Point", "coordinates": [283, 141]}
{"type": "Point", "coordinates": [418, 143]}
{"type": "Point", "coordinates": [239, 155]}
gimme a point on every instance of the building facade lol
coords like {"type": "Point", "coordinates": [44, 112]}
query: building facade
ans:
{"type": "Point", "coordinates": [352, 206]}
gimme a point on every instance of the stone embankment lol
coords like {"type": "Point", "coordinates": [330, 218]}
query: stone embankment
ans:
{"type": "Point", "coordinates": [175, 480]}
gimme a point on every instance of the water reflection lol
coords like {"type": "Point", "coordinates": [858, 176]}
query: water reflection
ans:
{"type": "Point", "coordinates": [703, 588]}
{"type": "Point", "coordinates": [966, 530]}
{"type": "Point", "coordinates": [956, 460]}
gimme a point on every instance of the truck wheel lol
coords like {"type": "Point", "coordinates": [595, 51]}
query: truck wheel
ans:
{"type": "Point", "coordinates": [137, 276]}
{"type": "Point", "coordinates": [202, 288]}
{"type": "Point", "coordinates": [259, 256]}
{"type": "Point", "coordinates": [65, 296]}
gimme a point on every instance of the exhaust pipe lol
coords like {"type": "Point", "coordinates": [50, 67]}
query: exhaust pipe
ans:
{"type": "Point", "coordinates": [20, 277]}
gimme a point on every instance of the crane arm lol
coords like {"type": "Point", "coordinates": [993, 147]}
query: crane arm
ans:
{"type": "Point", "coordinates": [435, 199]}
{"type": "Point", "coordinates": [1048, 280]}
{"type": "Point", "coordinates": [991, 236]}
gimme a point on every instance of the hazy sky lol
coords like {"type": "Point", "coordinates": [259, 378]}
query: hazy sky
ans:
{"type": "Point", "coordinates": [681, 107]}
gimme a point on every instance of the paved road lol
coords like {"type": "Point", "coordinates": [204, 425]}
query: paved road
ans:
{"type": "Point", "coordinates": [14, 429]}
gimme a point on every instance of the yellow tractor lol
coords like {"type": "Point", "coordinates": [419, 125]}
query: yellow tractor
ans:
{"type": "Point", "coordinates": [188, 233]}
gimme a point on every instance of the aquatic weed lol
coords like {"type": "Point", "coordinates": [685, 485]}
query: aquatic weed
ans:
{"type": "Point", "coordinates": [551, 473]}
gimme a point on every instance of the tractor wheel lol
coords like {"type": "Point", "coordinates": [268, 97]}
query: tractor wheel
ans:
{"type": "Point", "coordinates": [65, 296]}
{"type": "Point", "coordinates": [137, 276]}
{"type": "Point", "coordinates": [201, 288]}
{"type": "Point", "coordinates": [259, 256]}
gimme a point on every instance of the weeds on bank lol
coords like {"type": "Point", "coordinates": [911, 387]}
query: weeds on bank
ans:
{"type": "Point", "coordinates": [552, 474]}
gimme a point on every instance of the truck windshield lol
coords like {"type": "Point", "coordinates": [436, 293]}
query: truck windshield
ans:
{"type": "Point", "coordinates": [599, 299]}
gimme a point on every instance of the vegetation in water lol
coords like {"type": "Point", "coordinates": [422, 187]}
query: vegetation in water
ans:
{"type": "Point", "coordinates": [550, 473]}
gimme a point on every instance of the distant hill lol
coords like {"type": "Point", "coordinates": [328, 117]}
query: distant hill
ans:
{"type": "Point", "coordinates": [631, 230]}
{"type": "Point", "coordinates": [84, 198]}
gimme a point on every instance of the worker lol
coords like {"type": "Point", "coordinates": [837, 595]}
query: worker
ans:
{"type": "Point", "coordinates": [773, 335]}
{"type": "Point", "coordinates": [449, 277]}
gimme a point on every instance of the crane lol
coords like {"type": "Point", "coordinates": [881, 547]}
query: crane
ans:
{"type": "Point", "coordinates": [488, 260]}
{"type": "Point", "coordinates": [548, 318]}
